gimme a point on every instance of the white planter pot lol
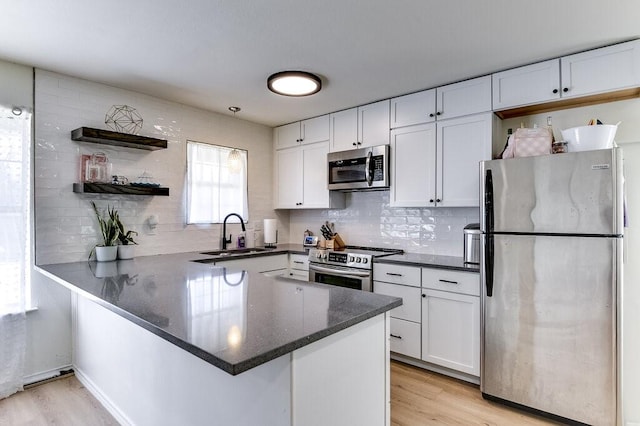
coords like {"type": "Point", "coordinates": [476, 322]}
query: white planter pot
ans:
{"type": "Point", "coordinates": [126, 252]}
{"type": "Point", "coordinates": [106, 254]}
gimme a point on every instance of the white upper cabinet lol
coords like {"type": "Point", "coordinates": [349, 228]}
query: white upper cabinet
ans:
{"type": "Point", "coordinates": [416, 108]}
{"type": "Point", "coordinates": [437, 164]}
{"type": "Point", "coordinates": [307, 131]}
{"type": "Point", "coordinates": [301, 178]}
{"type": "Point", "coordinates": [367, 125]}
{"type": "Point", "coordinates": [602, 70]}
{"type": "Point", "coordinates": [464, 98]}
{"type": "Point", "coordinates": [527, 85]}
{"type": "Point", "coordinates": [450, 101]}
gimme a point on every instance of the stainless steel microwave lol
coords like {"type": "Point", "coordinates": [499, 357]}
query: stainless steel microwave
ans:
{"type": "Point", "coordinates": [359, 169]}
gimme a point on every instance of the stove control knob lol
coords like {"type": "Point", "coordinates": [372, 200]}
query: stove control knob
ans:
{"type": "Point", "coordinates": [351, 258]}
{"type": "Point", "coordinates": [319, 254]}
{"type": "Point", "coordinates": [358, 260]}
{"type": "Point", "coordinates": [365, 260]}
{"type": "Point", "coordinates": [323, 255]}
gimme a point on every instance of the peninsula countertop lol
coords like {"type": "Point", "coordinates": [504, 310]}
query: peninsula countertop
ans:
{"type": "Point", "coordinates": [232, 319]}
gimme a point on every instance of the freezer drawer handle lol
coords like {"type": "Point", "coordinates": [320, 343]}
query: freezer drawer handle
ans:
{"type": "Point", "coordinates": [448, 282]}
{"type": "Point", "coordinates": [394, 274]}
{"type": "Point", "coordinates": [396, 336]}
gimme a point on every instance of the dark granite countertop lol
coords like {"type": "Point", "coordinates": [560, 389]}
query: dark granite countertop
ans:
{"type": "Point", "coordinates": [231, 319]}
{"type": "Point", "coordinates": [429, 261]}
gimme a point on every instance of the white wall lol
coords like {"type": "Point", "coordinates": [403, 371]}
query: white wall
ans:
{"type": "Point", "coordinates": [66, 229]}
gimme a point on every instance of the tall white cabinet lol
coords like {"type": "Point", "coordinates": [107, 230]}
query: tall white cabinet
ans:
{"type": "Point", "coordinates": [301, 166]}
{"type": "Point", "coordinates": [439, 138]}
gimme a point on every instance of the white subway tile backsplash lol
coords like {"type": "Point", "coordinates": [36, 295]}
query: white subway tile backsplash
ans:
{"type": "Point", "coordinates": [368, 220]}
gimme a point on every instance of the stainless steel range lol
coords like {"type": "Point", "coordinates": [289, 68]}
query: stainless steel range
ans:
{"type": "Point", "coordinates": [350, 267]}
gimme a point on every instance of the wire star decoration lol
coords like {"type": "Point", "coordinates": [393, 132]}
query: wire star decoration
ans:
{"type": "Point", "coordinates": [123, 118]}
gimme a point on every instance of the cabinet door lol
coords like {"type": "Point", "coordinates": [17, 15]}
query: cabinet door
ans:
{"type": "Point", "coordinates": [410, 308]}
{"type": "Point", "coordinates": [601, 70]}
{"type": "Point", "coordinates": [373, 124]}
{"type": "Point", "coordinates": [344, 130]}
{"type": "Point", "coordinates": [416, 108]}
{"type": "Point", "coordinates": [464, 98]}
{"type": "Point", "coordinates": [451, 330]}
{"type": "Point", "coordinates": [526, 85]}
{"type": "Point", "coordinates": [461, 144]}
{"type": "Point", "coordinates": [315, 193]}
{"type": "Point", "coordinates": [405, 337]}
{"type": "Point", "coordinates": [287, 136]}
{"type": "Point", "coordinates": [289, 178]}
{"type": "Point", "coordinates": [315, 129]}
{"type": "Point", "coordinates": [413, 166]}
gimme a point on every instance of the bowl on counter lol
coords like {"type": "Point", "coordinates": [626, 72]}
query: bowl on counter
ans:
{"type": "Point", "coordinates": [588, 138]}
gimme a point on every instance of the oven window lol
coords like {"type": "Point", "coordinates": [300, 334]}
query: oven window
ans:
{"type": "Point", "coordinates": [355, 283]}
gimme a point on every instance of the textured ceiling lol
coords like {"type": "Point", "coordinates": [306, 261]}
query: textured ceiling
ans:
{"type": "Point", "coordinates": [214, 54]}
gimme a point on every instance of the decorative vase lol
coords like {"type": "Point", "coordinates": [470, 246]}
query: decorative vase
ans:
{"type": "Point", "coordinates": [126, 251]}
{"type": "Point", "coordinates": [106, 253]}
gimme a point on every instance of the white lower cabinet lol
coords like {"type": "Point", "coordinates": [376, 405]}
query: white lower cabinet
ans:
{"type": "Point", "coordinates": [405, 337]}
{"type": "Point", "coordinates": [451, 320]}
{"type": "Point", "coordinates": [299, 266]}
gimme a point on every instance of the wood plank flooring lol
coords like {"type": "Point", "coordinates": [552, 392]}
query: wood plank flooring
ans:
{"type": "Point", "coordinates": [59, 402]}
{"type": "Point", "coordinates": [418, 398]}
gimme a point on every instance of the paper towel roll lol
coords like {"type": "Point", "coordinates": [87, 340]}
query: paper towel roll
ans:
{"type": "Point", "coordinates": [270, 232]}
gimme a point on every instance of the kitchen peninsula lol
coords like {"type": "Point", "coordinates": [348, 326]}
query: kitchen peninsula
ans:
{"type": "Point", "coordinates": [165, 340]}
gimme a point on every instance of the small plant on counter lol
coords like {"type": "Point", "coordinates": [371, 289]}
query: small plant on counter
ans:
{"type": "Point", "coordinates": [109, 229]}
{"type": "Point", "coordinates": [125, 237]}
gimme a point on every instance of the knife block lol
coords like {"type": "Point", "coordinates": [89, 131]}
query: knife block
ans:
{"type": "Point", "coordinates": [335, 243]}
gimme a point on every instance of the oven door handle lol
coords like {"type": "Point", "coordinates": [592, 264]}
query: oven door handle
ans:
{"type": "Point", "coordinates": [339, 271]}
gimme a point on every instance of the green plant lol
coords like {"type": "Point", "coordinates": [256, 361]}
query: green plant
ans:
{"type": "Point", "coordinates": [109, 229]}
{"type": "Point", "coordinates": [124, 236]}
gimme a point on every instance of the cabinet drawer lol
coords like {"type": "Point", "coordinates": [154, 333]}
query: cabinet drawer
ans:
{"type": "Point", "coordinates": [405, 337]}
{"type": "Point", "coordinates": [298, 274]}
{"type": "Point", "coordinates": [299, 261]}
{"type": "Point", "coordinates": [411, 299]}
{"type": "Point", "coordinates": [453, 281]}
{"type": "Point", "coordinates": [398, 274]}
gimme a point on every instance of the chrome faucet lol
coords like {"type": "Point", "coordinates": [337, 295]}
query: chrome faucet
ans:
{"type": "Point", "coordinates": [224, 229]}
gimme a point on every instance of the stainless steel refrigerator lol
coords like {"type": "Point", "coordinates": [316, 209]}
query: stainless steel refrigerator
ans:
{"type": "Point", "coordinates": [551, 269]}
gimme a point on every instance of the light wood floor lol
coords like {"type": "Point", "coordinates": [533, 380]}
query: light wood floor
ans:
{"type": "Point", "coordinates": [418, 398]}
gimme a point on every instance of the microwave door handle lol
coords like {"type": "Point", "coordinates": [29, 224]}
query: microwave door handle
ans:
{"type": "Point", "coordinates": [367, 169]}
{"type": "Point", "coordinates": [341, 272]}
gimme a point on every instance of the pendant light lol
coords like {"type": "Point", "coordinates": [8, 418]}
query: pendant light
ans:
{"type": "Point", "coordinates": [234, 161]}
{"type": "Point", "coordinates": [294, 83]}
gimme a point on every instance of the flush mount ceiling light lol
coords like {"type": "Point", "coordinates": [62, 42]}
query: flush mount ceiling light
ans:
{"type": "Point", "coordinates": [294, 83]}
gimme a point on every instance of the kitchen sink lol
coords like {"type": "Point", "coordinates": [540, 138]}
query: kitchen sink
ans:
{"type": "Point", "coordinates": [235, 251]}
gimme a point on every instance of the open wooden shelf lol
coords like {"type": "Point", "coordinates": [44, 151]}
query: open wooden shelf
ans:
{"type": "Point", "coordinates": [109, 188]}
{"type": "Point", "coordinates": [107, 137]}
{"type": "Point", "coordinates": [569, 103]}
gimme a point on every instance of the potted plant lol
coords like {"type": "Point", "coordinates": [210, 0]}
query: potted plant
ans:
{"type": "Point", "coordinates": [109, 232]}
{"type": "Point", "coordinates": [125, 249]}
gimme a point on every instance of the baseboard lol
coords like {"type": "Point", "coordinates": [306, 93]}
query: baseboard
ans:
{"type": "Point", "coordinates": [46, 375]}
{"type": "Point", "coordinates": [436, 368]}
{"type": "Point", "coordinates": [106, 402]}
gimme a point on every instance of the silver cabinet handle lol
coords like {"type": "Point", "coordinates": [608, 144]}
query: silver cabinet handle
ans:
{"type": "Point", "coordinates": [393, 274]}
{"type": "Point", "coordinates": [298, 262]}
{"type": "Point", "coordinates": [395, 336]}
{"type": "Point", "coordinates": [448, 282]}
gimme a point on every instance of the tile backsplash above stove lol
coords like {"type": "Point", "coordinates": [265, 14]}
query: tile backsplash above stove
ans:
{"type": "Point", "coordinates": [368, 220]}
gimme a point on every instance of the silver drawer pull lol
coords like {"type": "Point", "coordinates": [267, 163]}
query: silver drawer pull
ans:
{"type": "Point", "coordinates": [393, 274]}
{"type": "Point", "coordinates": [448, 282]}
{"type": "Point", "coordinates": [395, 336]}
{"type": "Point", "coordinates": [298, 262]}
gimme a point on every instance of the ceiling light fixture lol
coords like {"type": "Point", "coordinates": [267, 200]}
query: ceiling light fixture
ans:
{"type": "Point", "coordinates": [294, 83]}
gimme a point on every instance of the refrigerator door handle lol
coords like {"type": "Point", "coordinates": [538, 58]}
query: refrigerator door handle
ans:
{"type": "Point", "coordinates": [488, 221]}
{"type": "Point", "coordinates": [488, 265]}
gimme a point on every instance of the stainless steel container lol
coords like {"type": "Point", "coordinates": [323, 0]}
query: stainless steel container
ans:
{"type": "Point", "coordinates": [472, 243]}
